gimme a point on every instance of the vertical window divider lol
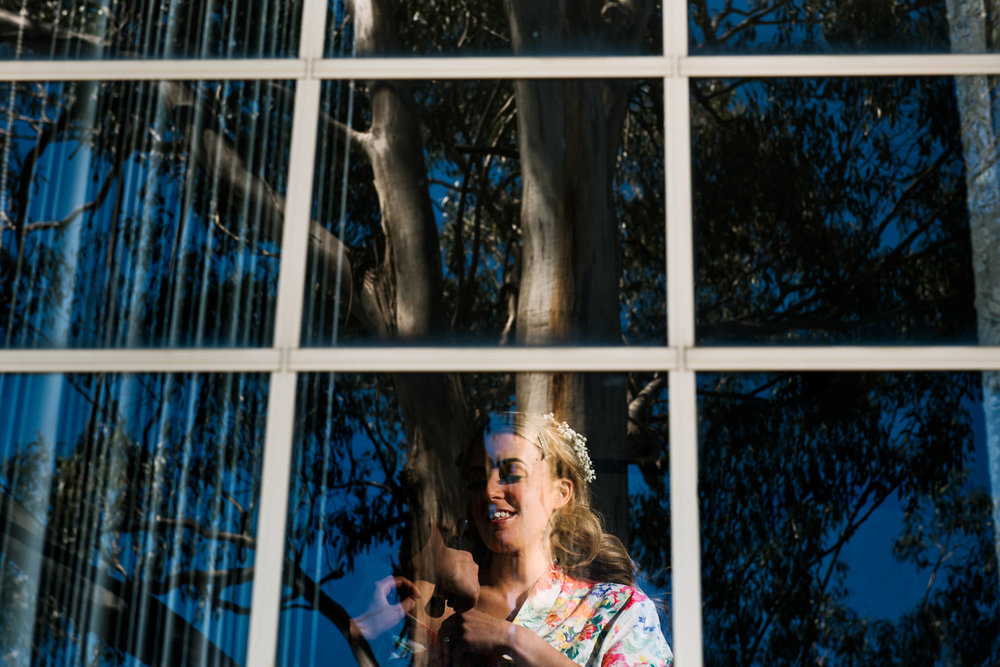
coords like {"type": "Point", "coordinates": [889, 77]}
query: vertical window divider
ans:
{"type": "Point", "coordinates": [269, 557]}
{"type": "Point", "coordinates": [685, 539]}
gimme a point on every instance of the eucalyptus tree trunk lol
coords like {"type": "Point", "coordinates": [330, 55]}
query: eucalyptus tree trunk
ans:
{"type": "Point", "coordinates": [406, 292]}
{"type": "Point", "coordinates": [976, 96]}
{"type": "Point", "coordinates": [568, 136]}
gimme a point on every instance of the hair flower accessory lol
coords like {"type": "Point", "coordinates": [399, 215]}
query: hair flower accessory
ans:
{"type": "Point", "coordinates": [579, 443]}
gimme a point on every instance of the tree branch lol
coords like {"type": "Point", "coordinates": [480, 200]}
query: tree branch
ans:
{"type": "Point", "coordinates": [113, 603]}
{"type": "Point", "coordinates": [304, 586]}
{"type": "Point", "coordinates": [190, 524]}
{"type": "Point", "coordinates": [216, 155]}
{"type": "Point", "coordinates": [499, 151]}
{"type": "Point", "coordinates": [201, 578]}
{"type": "Point", "coordinates": [92, 205]}
{"type": "Point", "coordinates": [643, 441]}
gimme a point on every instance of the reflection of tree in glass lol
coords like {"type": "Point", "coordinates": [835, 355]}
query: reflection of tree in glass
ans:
{"type": "Point", "coordinates": [130, 215]}
{"type": "Point", "coordinates": [973, 29]}
{"type": "Point", "coordinates": [524, 227]}
{"type": "Point", "coordinates": [190, 206]}
{"type": "Point", "coordinates": [793, 466]}
{"type": "Point", "coordinates": [477, 152]}
{"type": "Point", "coordinates": [832, 210]}
{"type": "Point", "coordinates": [148, 29]}
{"type": "Point", "coordinates": [816, 26]}
{"type": "Point", "coordinates": [129, 518]}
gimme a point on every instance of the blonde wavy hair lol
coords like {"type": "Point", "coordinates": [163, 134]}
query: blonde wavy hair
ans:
{"type": "Point", "coordinates": [576, 531]}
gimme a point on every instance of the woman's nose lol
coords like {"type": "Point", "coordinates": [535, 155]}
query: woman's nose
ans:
{"type": "Point", "coordinates": [494, 489]}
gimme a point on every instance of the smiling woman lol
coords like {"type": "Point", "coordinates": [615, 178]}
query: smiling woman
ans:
{"type": "Point", "coordinates": [554, 588]}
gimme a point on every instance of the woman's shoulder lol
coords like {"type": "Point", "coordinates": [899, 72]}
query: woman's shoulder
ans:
{"type": "Point", "coordinates": [606, 594]}
{"type": "Point", "coordinates": [632, 633]}
{"type": "Point", "coordinates": [619, 596]}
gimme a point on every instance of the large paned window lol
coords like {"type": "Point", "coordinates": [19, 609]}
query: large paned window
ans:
{"type": "Point", "coordinates": [269, 269]}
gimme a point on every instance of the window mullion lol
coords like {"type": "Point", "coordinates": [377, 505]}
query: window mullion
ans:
{"type": "Point", "coordinates": [269, 558]}
{"type": "Point", "coordinates": [684, 518]}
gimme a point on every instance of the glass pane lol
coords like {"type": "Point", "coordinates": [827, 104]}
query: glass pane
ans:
{"type": "Point", "coordinates": [98, 29]}
{"type": "Point", "coordinates": [141, 214]}
{"type": "Point", "coordinates": [390, 480]}
{"type": "Point", "coordinates": [841, 26]}
{"type": "Point", "coordinates": [471, 28]}
{"type": "Point", "coordinates": [128, 517]}
{"type": "Point", "coordinates": [489, 212]}
{"type": "Point", "coordinates": [846, 519]}
{"type": "Point", "coordinates": [844, 210]}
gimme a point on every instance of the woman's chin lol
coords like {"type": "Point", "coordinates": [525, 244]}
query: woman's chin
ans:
{"type": "Point", "coordinates": [502, 547]}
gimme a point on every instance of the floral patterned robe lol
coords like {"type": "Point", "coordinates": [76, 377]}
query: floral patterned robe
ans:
{"type": "Point", "coordinates": [611, 625]}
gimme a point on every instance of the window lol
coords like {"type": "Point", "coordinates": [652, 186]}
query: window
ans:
{"type": "Point", "coordinates": [246, 249]}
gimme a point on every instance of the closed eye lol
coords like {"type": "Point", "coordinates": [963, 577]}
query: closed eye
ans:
{"type": "Point", "coordinates": [511, 473]}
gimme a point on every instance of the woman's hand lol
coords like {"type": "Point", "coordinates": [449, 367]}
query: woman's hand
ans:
{"type": "Point", "coordinates": [473, 633]}
{"type": "Point", "coordinates": [474, 637]}
{"type": "Point", "coordinates": [381, 614]}
{"type": "Point", "coordinates": [457, 578]}
{"type": "Point", "coordinates": [452, 571]}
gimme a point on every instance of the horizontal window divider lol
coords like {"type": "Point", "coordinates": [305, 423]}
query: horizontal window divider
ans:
{"type": "Point", "coordinates": [836, 358]}
{"type": "Point", "coordinates": [942, 64]}
{"type": "Point", "coordinates": [234, 360]}
{"type": "Point", "coordinates": [484, 359]}
{"type": "Point", "coordinates": [503, 359]}
{"type": "Point", "coordinates": [154, 70]}
{"type": "Point", "coordinates": [501, 67]}
{"type": "Point", "coordinates": [496, 67]}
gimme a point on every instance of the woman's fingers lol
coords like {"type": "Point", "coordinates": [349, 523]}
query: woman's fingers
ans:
{"type": "Point", "coordinates": [405, 588]}
{"type": "Point", "coordinates": [476, 632]}
{"type": "Point", "coordinates": [382, 614]}
{"type": "Point", "coordinates": [458, 579]}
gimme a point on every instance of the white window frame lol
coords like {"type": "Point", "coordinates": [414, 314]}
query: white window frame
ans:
{"type": "Point", "coordinates": [680, 357]}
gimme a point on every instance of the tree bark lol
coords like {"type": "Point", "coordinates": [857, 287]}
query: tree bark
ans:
{"type": "Point", "coordinates": [976, 97]}
{"type": "Point", "coordinates": [439, 423]}
{"type": "Point", "coordinates": [568, 136]}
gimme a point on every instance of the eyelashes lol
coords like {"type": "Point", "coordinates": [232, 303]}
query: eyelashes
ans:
{"type": "Point", "coordinates": [506, 477]}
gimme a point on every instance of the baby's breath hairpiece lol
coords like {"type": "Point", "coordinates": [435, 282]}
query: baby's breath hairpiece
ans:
{"type": "Point", "coordinates": [579, 443]}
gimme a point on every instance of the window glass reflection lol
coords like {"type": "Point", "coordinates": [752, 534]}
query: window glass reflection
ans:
{"type": "Point", "coordinates": [385, 469]}
{"type": "Point", "coordinates": [846, 518]}
{"type": "Point", "coordinates": [488, 212]}
{"type": "Point", "coordinates": [89, 29]}
{"type": "Point", "coordinates": [838, 26]}
{"type": "Point", "coordinates": [128, 517]}
{"type": "Point", "coordinates": [141, 214]}
{"type": "Point", "coordinates": [836, 210]}
{"type": "Point", "coordinates": [476, 28]}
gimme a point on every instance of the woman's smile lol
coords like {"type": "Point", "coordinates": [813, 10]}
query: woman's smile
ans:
{"type": "Point", "coordinates": [501, 516]}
